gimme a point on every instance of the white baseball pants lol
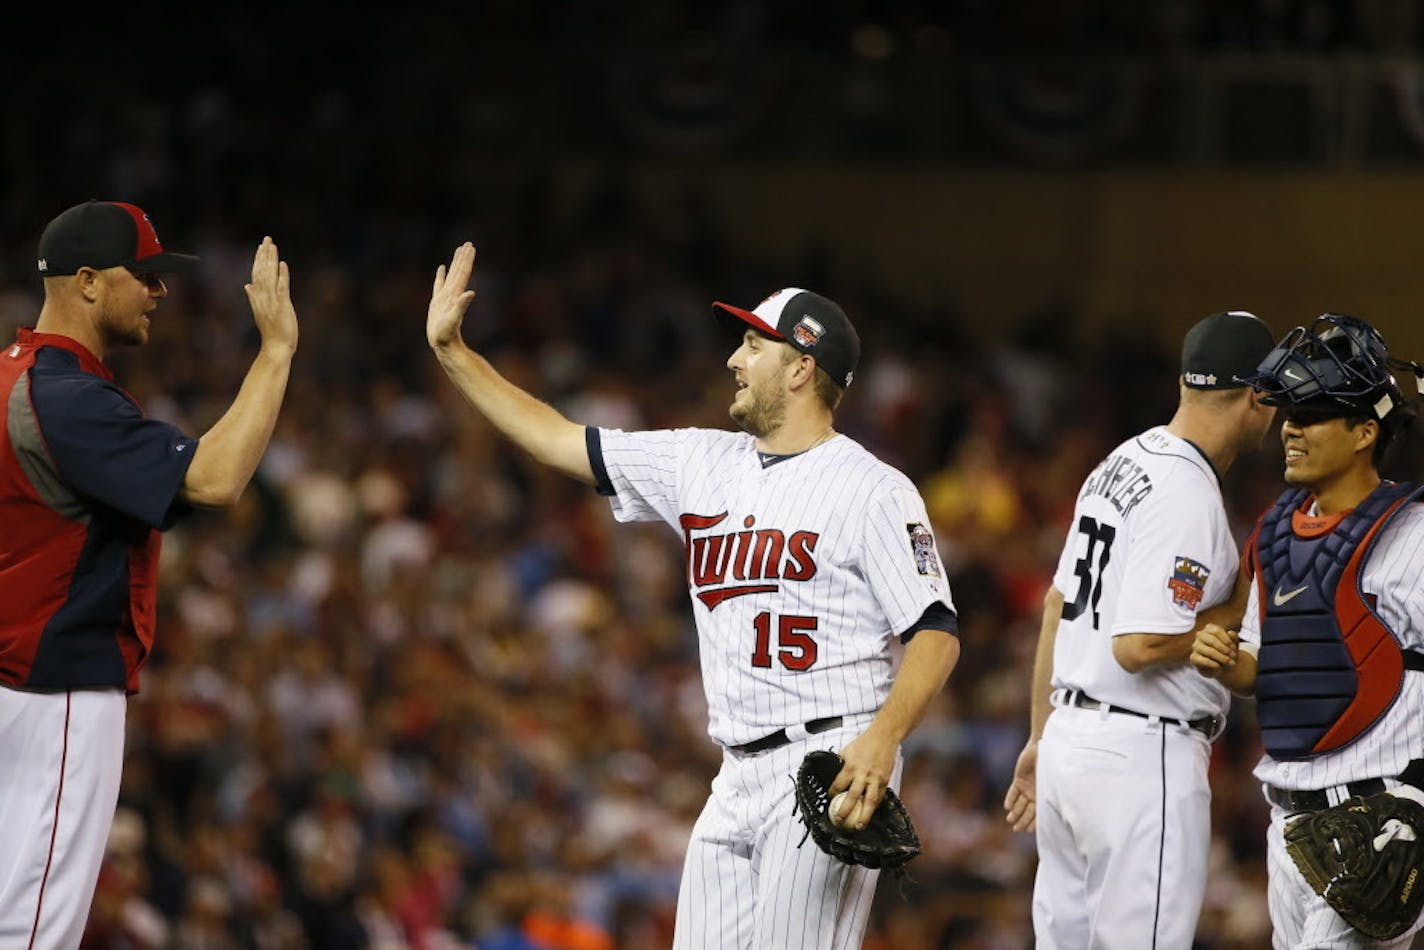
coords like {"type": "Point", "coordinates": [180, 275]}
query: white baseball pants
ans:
{"type": "Point", "coordinates": [750, 881]}
{"type": "Point", "coordinates": [61, 759]}
{"type": "Point", "coordinates": [1124, 830]}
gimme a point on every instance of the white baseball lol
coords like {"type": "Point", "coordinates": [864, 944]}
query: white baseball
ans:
{"type": "Point", "coordinates": [834, 808]}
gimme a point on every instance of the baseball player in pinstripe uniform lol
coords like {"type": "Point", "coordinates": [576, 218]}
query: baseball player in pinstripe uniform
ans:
{"type": "Point", "coordinates": [1332, 641]}
{"type": "Point", "coordinates": [87, 483]}
{"type": "Point", "coordinates": [1149, 548]}
{"type": "Point", "coordinates": [806, 556]}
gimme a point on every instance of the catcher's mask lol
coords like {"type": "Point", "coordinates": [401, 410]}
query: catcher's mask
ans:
{"type": "Point", "coordinates": [1338, 366]}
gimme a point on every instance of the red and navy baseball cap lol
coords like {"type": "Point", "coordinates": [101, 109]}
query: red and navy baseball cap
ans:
{"type": "Point", "coordinates": [103, 234]}
{"type": "Point", "coordinates": [810, 323]}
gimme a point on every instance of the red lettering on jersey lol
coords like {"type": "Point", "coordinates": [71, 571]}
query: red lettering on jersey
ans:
{"type": "Point", "coordinates": [710, 559]}
{"type": "Point", "coordinates": [714, 597]}
{"type": "Point", "coordinates": [697, 551]}
{"type": "Point", "coordinates": [748, 555]}
{"type": "Point", "coordinates": [766, 556]}
{"type": "Point", "coordinates": [744, 547]}
{"type": "Point", "coordinates": [691, 523]}
{"type": "Point", "coordinates": [800, 548]}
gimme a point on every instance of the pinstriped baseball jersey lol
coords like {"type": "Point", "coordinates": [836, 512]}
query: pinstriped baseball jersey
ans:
{"type": "Point", "coordinates": [1148, 546]}
{"type": "Point", "coordinates": [800, 572]}
{"type": "Point", "coordinates": [1391, 573]}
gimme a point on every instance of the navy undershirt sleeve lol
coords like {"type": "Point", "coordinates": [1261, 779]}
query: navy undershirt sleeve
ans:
{"type": "Point", "coordinates": [105, 448]}
{"type": "Point", "coordinates": [936, 617]}
{"type": "Point", "coordinates": [601, 482]}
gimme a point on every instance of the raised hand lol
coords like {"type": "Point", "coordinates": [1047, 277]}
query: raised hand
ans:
{"type": "Point", "coordinates": [450, 298]}
{"type": "Point", "coordinates": [270, 296]}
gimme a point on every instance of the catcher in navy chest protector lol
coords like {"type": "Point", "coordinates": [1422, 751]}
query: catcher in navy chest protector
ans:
{"type": "Point", "coordinates": [1332, 646]}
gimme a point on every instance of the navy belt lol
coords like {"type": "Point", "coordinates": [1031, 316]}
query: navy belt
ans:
{"type": "Point", "coordinates": [779, 738]}
{"type": "Point", "coordinates": [1206, 725]}
{"type": "Point", "coordinates": [1317, 798]}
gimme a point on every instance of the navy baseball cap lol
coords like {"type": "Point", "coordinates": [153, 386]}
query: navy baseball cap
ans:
{"type": "Point", "coordinates": [1222, 350]}
{"type": "Point", "coordinates": [103, 234]}
{"type": "Point", "coordinates": [809, 323]}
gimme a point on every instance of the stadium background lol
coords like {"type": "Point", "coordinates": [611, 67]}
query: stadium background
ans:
{"type": "Point", "coordinates": [416, 692]}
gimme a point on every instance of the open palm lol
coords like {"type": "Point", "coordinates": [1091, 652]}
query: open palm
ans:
{"type": "Point", "coordinates": [450, 298]}
{"type": "Point", "coordinates": [1021, 802]}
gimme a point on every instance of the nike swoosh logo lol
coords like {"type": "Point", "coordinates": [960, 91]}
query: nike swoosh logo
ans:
{"type": "Point", "coordinates": [1292, 374]}
{"type": "Point", "coordinates": [1280, 600]}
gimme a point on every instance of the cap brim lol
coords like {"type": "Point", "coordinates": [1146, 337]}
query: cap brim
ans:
{"type": "Point", "coordinates": [746, 316]}
{"type": "Point", "coordinates": [166, 263]}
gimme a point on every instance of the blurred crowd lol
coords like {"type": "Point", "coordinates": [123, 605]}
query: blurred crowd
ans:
{"type": "Point", "coordinates": [417, 692]}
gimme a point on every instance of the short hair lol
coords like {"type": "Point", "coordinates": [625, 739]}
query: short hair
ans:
{"type": "Point", "coordinates": [822, 384]}
{"type": "Point", "coordinates": [1212, 398]}
{"type": "Point", "coordinates": [826, 390]}
{"type": "Point", "coordinates": [1399, 420]}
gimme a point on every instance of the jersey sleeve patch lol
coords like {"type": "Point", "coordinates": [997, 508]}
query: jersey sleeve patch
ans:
{"type": "Point", "coordinates": [1188, 582]}
{"type": "Point", "coordinates": [922, 545]}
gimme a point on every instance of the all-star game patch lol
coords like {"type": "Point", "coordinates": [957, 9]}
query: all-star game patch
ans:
{"type": "Point", "coordinates": [808, 332]}
{"type": "Point", "coordinates": [1188, 582]}
{"type": "Point", "coordinates": [922, 545]}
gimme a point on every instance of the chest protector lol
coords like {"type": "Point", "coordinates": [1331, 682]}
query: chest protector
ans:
{"type": "Point", "coordinates": [1328, 667]}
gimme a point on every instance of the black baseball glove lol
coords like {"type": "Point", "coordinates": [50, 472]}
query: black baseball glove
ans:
{"type": "Point", "coordinates": [888, 840]}
{"type": "Point", "coordinates": [1365, 856]}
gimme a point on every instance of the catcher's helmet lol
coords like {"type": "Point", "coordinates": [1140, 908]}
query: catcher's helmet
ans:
{"type": "Point", "coordinates": [1338, 363]}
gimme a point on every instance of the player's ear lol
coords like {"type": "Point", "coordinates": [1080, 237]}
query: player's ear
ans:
{"type": "Point", "coordinates": [805, 370]}
{"type": "Point", "coordinates": [86, 282]}
{"type": "Point", "coordinates": [1366, 435]}
{"type": "Point", "coordinates": [808, 366]}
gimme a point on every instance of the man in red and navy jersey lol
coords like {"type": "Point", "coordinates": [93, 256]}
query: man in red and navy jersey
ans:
{"type": "Point", "coordinates": [87, 483]}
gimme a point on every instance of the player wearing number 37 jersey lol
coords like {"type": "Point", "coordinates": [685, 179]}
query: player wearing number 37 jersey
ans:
{"type": "Point", "coordinates": [1117, 784]}
{"type": "Point", "coordinates": [805, 558]}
